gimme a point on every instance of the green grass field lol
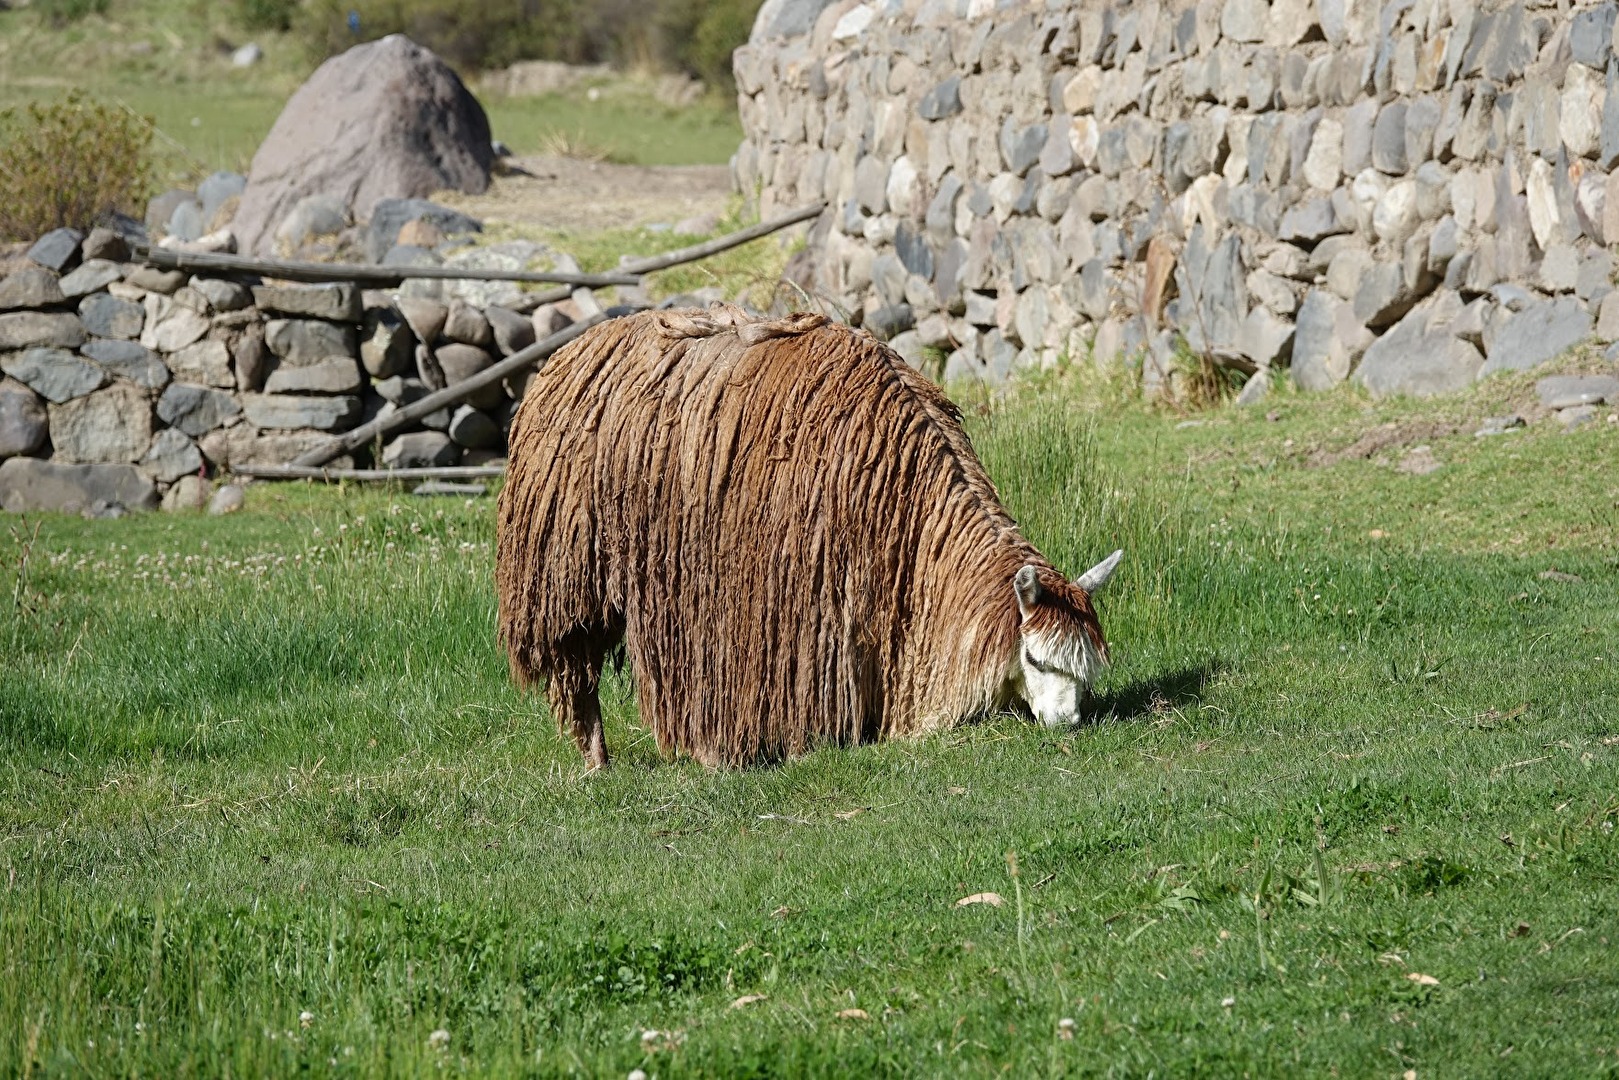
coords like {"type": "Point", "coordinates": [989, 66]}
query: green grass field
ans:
{"type": "Point", "coordinates": [1347, 807]}
{"type": "Point", "coordinates": [169, 60]}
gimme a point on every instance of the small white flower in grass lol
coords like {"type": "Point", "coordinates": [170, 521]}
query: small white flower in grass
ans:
{"type": "Point", "coordinates": [439, 1040]}
{"type": "Point", "coordinates": [636, 1074]}
{"type": "Point", "coordinates": [306, 1018]}
{"type": "Point", "coordinates": [1227, 1002]}
{"type": "Point", "coordinates": [1065, 1028]}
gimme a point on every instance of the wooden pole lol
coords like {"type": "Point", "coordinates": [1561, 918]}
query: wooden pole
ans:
{"type": "Point", "coordinates": [649, 263]}
{"type": "Point", "coordinates": [371, 276]}
{"type": "Point", "coordinates": [450, 395]}
{"type": "Point", "coordinates": [305, 472]}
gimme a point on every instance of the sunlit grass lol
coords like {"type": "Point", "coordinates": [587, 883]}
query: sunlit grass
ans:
{"type": "Point", "coordinates": [270, 765]}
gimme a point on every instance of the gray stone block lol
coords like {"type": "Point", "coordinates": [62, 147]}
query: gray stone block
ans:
{"type": "Point", "coordinates": [289, 412]}
{"type": "Point", "coordinates": [1388, 139]}
{"type": "Point", "coordinates": [57, 250]}
{"type": "Point", "coordinates": [337, 302]}
{"type": "Point", "coordinates": [29, 485]}
{"type": "Point", "coordinates": [30, 287]}
{"type": "Point", "coordinates": [90, 276]}
{"type": "Point", "coordinates": [196, 410]}
{"type": "Point", "coordinates": [54, 374]}
{"type": "Point", "coordinates": [1568, 391]}
{"type": "Point", "coordinates": [128, 360]}
{"type": "Point", "coordinates": [943, 101]}
{"type": "Point", "coordinates": [1543, 330]}
{"type": "Point", "coordinates": [1419, 356]}
{"type": "Point", "coordinates": [111, 425]}
{"type": "Point", "coordinates": [26, 329]}
{"type": "Point", "coordinates": [24, 423]}
{"type": "Point", "coordinates": [106, 316]}
{"type": "Point", "coordinates": [171, 456]}
{"type": "Point", "coordinates": [419, 450]}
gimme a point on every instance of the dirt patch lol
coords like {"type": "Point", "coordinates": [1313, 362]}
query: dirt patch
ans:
{"type": "Point", "coordinates": [1377, 440]}
{"type": "Point", "coordinates": [571, 195]}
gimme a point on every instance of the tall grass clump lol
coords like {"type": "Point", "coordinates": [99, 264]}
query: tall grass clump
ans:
{"type": "Point", "coordinates": [68, 162]}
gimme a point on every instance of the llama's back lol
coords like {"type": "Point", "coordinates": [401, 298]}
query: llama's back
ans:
{"type": "Point", "coordinates": [774, 511]}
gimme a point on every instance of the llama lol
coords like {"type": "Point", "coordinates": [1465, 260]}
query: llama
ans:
{"type": "Point", "coordinates": [786, 530]}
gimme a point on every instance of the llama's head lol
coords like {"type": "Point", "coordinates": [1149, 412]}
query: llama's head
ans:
{"type": "Point", "coordinates": [1061, 647]}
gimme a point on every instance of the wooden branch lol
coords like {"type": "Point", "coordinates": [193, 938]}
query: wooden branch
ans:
{"type": "Point", "coordinates": [371, 276]}
{"type": "Point", "coordinates": [649, 263]}
{"type": "Point", "coordinates": [450, 395]}
{"type": "Point", "coordinates": [306, 472]}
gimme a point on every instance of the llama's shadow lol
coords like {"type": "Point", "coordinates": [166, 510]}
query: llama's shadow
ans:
{"type": "Point", "coordinates": [1154, 694]}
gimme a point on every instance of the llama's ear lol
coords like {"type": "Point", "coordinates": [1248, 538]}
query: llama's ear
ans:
{"type": "Point", "coordinates": [1093, 579]}
{"type": "Point", "coordinates": [1027, 586]}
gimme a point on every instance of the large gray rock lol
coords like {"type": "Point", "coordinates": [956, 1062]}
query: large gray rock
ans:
{"type": "Point", "coordinates": [55, 374]}
{"type": "Point", "coordinates": [23, 420]}
{"type": "Point", "coordinates": [196, 410]}
{"type": "Point", "coordinates": [26, 329]}
{"type": "Point", "coordinates": [129, 360]}
{"type": "Point", "coordinates": [288, 412]}
{"type": "Point", "coordinates": [330, 375]}
{"type": "Point", "coordinates": [111, 425]}
{"type": "Point", "coordinates": [467, 325]}
{"type": "Point", "coordinates": [1541, 331]}
{"type": "Point", "coordinates": [391, 215]}
{"type": "Point", "coordinates": [1420, 356]}
{"type": "Point", "coordinates": [106, 316]}
{"type": "Point", "coordinates": [171, 456]}
{"type": "Point", "coordinates": [30, 287]}
{"type": "Point", "coordinates": [943, 101]}
{"type": "Point", "coordinates": [424, 316]}
{"type": "Point", "coordinates": [308, 341]}
{"type": "Point", "coordinates": [420, 449]}
{"type": "Point", "coordinates": [338, 302]}
{"type": "Point", "coordinates": [28, 485]}
{"type": "Point", "coordinates": [387, 119]}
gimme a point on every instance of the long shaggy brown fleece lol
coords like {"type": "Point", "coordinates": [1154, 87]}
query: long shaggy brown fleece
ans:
{"type": "Point", "coordinates": [782, 522]}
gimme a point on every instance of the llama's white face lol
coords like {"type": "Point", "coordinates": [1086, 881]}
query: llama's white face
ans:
{"type": "Point", "coordinates": [1061, 650]}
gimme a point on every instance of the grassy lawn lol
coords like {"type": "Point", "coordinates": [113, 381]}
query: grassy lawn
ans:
{"type": "Point", "coordinates": [1347, 808]}
{"type": "Point", "coordinates": [169, 60]}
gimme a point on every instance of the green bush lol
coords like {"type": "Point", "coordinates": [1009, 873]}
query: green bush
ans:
{"type": "Point", "coordinates": [67, 162]}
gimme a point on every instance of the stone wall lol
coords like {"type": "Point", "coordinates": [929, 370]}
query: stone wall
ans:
{"type": "Point", "coordinates": [1410, 194]}
{"type": "Point", "coordinates": [122, 382]}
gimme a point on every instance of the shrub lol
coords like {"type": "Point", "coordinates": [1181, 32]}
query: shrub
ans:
{"type": "Point", "coordinates": [68, 162]}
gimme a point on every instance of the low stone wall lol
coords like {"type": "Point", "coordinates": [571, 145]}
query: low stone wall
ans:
{"type": "Point", "coordinates": [121, 381]}
{"type": "Point", "coordinates": [1412, 194]}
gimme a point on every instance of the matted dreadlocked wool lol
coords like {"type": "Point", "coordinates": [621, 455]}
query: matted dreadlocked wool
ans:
{"type": "Point", "coordinates": [784, 524]}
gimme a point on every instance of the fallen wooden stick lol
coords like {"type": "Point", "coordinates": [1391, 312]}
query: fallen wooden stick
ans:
{"type": "Point", "coordinates": [450, 395]}
{"type": "Point", "coordinates": [363, 274]}
{"type": "Point", "coordinates": [650, 263]}
{"type": "Point", "coordinates": [647, 264]}
{"type": "Point", "coordinates": [310, 472]}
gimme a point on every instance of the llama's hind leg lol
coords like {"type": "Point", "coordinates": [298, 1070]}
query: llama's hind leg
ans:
{"type": "Point", "coordinates": [573, 693]}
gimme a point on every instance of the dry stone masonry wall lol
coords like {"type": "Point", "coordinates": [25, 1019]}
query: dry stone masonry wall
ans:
{"type": "Point", "coordinates": [1410, 194]}
{"type": "Point", "coordinates": [124, 385]}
